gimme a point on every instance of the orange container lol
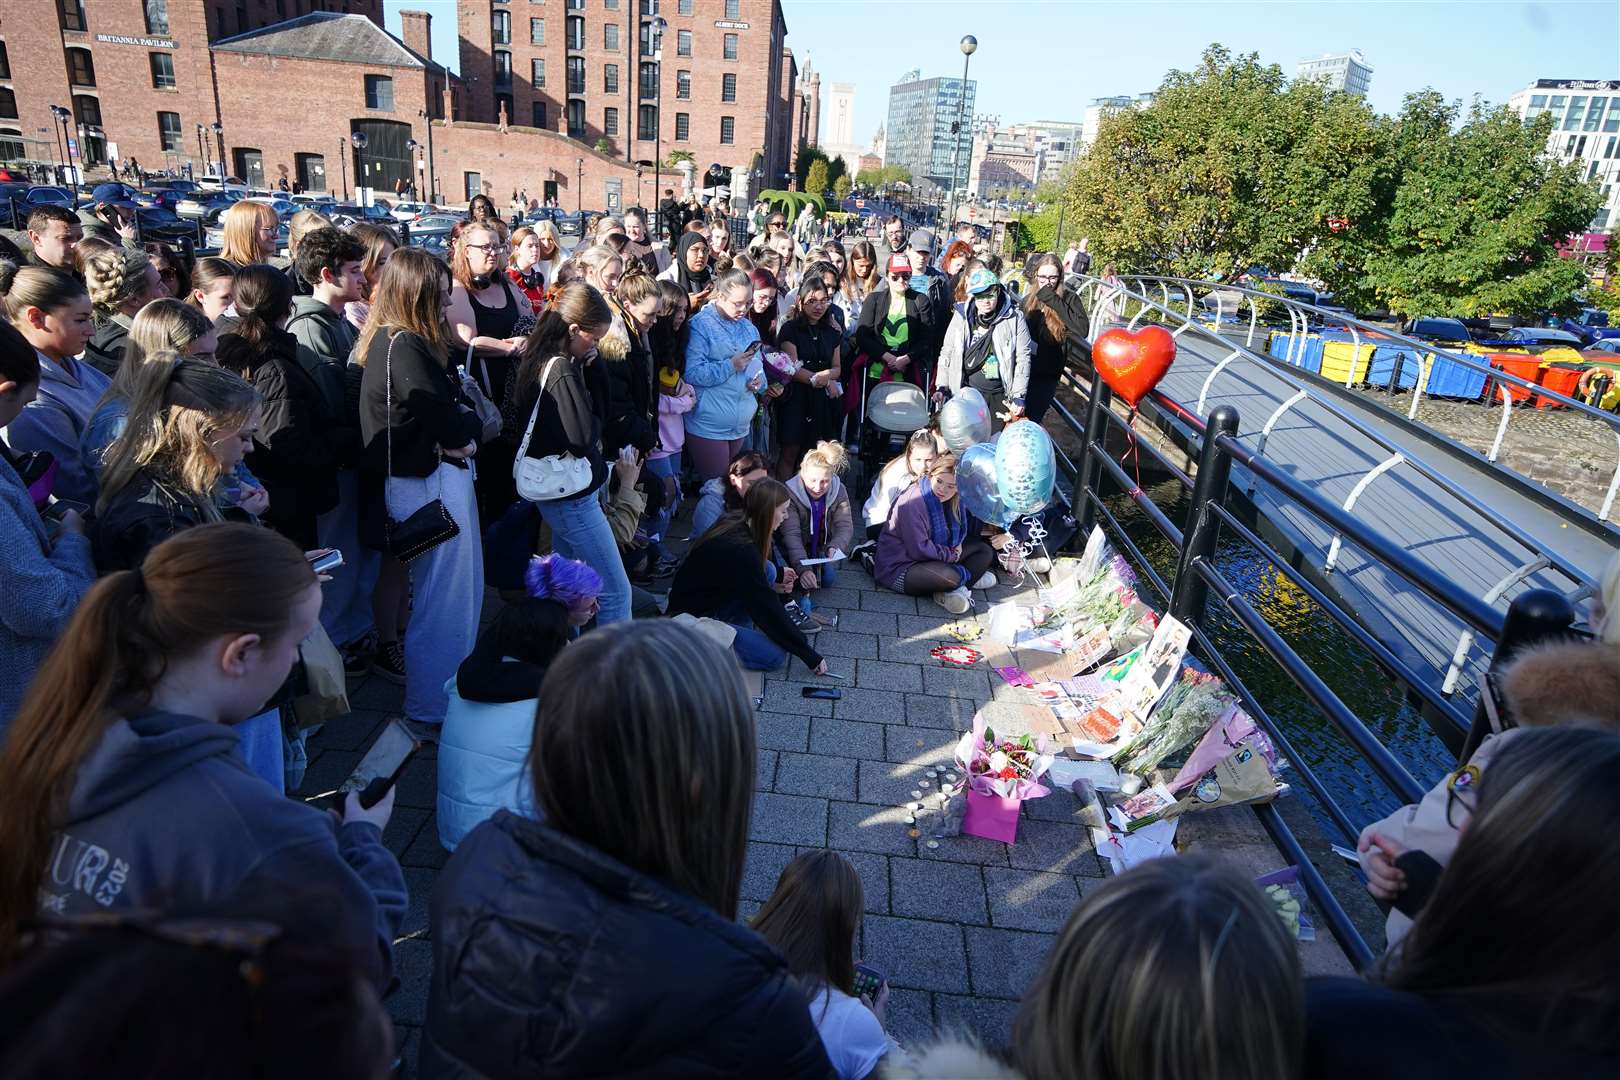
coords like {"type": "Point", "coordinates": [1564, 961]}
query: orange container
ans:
{"type": "Point", "coordinates": [1560, 378]}
{"type": "Point", "coordinates": [1522, 365]}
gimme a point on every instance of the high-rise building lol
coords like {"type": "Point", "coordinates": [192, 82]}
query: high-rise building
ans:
{"type": "Point", "coordinates": [922, 113]}
{"type": "Point", "coordinates": [1092, 119]}
{"type": "Point", "coordinates": [1586, 129]}
{"type": "Point", "coordinates": [1348, 71]}
{"type": "Point", "coordinates": [839, 138]}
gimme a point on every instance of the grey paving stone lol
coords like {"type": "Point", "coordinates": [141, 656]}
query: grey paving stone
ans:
{"type": "Point", "coordinates": [1005, 962]}
{"type": "Point", "coordinates": [874, 871]}
{"type": "Point", "coordinates": [413, 964]}
{"type": "Point", "coordinates": [917, 954]}
{"type": "Point", "coordinates": [837, 596]}
{"type": "Point", "coordinates": [890, 783]}
{"type": "Point", "coordinates": [847, 738]}
{"type": "Point", "coordinates": [910, 1017]}
{"type": "Point", "coordinates": [816, 774]}
{"type": "Point", "coordinates": [916, 650]}
{"type": "Point", "coordinates": [1029, 899]}
{"type": "Point", "coordinates": [948, 892]}
{"type": "Point", "coordinates": [932, 622]}
{"type": "Point", "coordinates": [353, 732]}
{"type": "Point", "coordinates": [789, 819]}
{"type": "Point", "coordinates": [879, 675]}
{"type": "Point", "coordinates": [765, 770]}
{"type": "Point", "coordinates": [880, 623]}
{"type": "Point", "coordinates": [840, 643]}
{"type": "Point", "coordinates": [784, 697]}
{"type": "Point", "coordinates": [987, 1019]}
{"type": "Point", "coordinates": [926, 711]}
{"type": "Point", "coordinates": [419, 784]}
{"type": "Point", "coordinates": [1059, 806]}
{"type": "Point", "coordinates": [966, 849]}
{"type": "Point", "coordinates": [862, 827]}
{"type": "Point", "coordinates": [327, 770]}
{"type": "Point", "coordinates": [972, 683]}
{"type": "Point", "coordinates": [419, 888]}
{"type": "Point", "coordinates": [782, 731]}
{"type": "Point", "coordinates": [872, 706]}
{"type": "Point", "coordinates": [424, 850]}
{"type": "Point", "coordinates": [1054, 846]}
{"type": "Point", "coordinates": [403, 825]}
{"type": "Point", "coordinates": [377, 693]}
{"type": "Point", "coordinates": [925, 746]}
{"type": "Point", "coordinates": [762, 867]}
{"type": "Point", "coordinates": [883, 600]}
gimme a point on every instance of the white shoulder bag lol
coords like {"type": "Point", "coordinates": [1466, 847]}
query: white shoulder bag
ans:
{"type": "Point", "coordinates": [555, 476]}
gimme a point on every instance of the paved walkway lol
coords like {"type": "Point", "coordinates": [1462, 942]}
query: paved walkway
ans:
{"type": "Point", "coordinates": [960, 929]}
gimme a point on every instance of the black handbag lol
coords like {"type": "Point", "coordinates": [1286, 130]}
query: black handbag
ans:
{"type": "Point", "coordinates": [430, 524]}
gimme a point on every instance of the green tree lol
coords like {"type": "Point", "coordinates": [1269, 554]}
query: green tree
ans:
{"type": "Point", "coordinates": [841, 188]}
{"type": "Point", "coordinates": [815, 182]}
{"type": "Point", "coordinates": [1475, 223]}
{"type": "Point", "coordinates": [801, 166]}
{"type": "Point", "coordinates": [837, 169]}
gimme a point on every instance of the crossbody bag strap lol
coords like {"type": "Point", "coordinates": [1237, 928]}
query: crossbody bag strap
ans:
{"type": "Point", "coordinates": [523, 448]}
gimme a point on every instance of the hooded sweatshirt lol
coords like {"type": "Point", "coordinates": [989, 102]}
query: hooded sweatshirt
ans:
{"type": "Point", "coordinates": [165, 815]}
{"type": "Point", "coordinates": [969, 342]}
{"type": "Point", "coordinates": [837, 523]}
{"type": "Point", "coordinates": [56, 420]}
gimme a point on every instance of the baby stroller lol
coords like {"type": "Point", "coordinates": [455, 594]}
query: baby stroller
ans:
{"type": "Point", "coordinates": [890, 412]}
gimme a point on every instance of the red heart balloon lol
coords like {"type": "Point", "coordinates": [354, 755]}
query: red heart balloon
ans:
{"type": "Point", "coordinates": [1133, 364]}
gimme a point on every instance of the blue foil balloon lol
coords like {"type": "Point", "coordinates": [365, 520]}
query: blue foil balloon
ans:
{"type": "Point", "coordinates": [1026, 467]}
{"type": "Point", "coordinates": [976, 483]}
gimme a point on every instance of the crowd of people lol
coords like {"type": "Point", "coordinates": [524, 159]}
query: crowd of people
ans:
{"type": "Point", "coordinates": [183, 443]}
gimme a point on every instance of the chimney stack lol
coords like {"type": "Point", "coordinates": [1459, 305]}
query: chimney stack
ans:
{"type": "Point", "coordinates": [416, 29]}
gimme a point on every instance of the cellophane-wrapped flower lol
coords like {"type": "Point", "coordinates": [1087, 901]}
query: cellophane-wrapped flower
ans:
{"type": "Point", "coordinates": [1189, 707]}
{"type": "Point", "coordinates": [1007, 766]}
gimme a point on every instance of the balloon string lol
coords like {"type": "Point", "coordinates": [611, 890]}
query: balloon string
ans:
{"type": "Point", "coordinates": [1132, 452]}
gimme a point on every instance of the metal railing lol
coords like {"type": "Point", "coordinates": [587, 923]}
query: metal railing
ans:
{"type": "Point", "coordinates": [1198, 580]}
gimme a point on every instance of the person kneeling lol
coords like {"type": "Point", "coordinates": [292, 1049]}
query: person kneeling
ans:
{"type": "Point", "coordinates": [820, 524]}
{"type": "Point", "coordinates": [930, 547]}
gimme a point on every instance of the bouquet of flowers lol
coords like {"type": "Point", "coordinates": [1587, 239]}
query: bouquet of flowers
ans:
{"type": "Point", "coordinates": [1102, 599]}
{"type": "Point", "coordinates": [1008, 767]}
{"type": "Point", "coordinates": [1194, 702]}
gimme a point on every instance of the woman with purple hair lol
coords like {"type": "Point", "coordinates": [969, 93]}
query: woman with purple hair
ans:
{"type": "Point", "coordinates": [490, 722]}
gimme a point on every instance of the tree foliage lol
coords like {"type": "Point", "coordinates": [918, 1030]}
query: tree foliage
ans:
{"type": "Point", "coordinates": [878, 179]}
{"type": "Point", "coordinates": [841, 187]}
{"type": "Point", "coordinates": [1233, 166]}
{"type": "Point", "coordinates": [816, 180]}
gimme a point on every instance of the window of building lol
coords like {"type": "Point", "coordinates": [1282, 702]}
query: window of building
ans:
{"type": "Point", "coordinates": [733, 9]}
{"type": "Point", "coordinates": [241, 24]}
{"type": "Point", "coordinates": [576, 74]}
{"type": "Point", "coordinates": [683, 43]}
{"type": "Point", "coordinates": [576, 32]}
{"type": "Point", "coordinates": [610, 121]}
{"type": "Point", "coordinates": [610, 37]}
{"type": "Point", "coordinates": [684, 7]}
{"type": "Point", "coordinates": [540, 115]}
{"type": "Point", "coordinates": [157, 17]}
{"type": "Point", "coordinates": [576, 5]}
{"type": "Point", "coordinates": [611, 5]}
{"type": "Point", "coordinates": [648, 81]}
{"type": "Point", "coordinates": [5, 62]}
{"type": "Point", "coordinates": [503, 68]}
{"type": "Point", "coordinates": [11, 145]}
{"type": "Point", "coordinates": [71, 14]}
{"type": "Point", "coordinates": [683, 84]}
{"type": "Point", "coordinates": [503, 106]}
{"type": "Point", "coordinates": [728, 86]}
{"type": "Point", "coordinates": [86, 110]}
{"type": "Point", "coordinates": [730, 52]}
{"type": "Point", "coordinates": [537, 71]}
{"type": "Point", "coordinates": [500, 27]}
{"type": "Point", "coordinates": [1538, 101]}
{"type": "Point", "coordinates": [472, 183]}
{"type": "Point", "coordinates": [81, 69]}
{"type": "Point", "coordinates": [728, 129]}
{"type": "Point", "coordinates": [649, 8]}
{"type": "Point", "coordinates": [169, 134]}
{"type": "Point", "coordinates": [576, 119]}
{"type": "Point", "coordinates": [8, 103]}
{"type": "Point", "coordinates": [683, 126]}
{"type": "Point", "coordinates": [380, 92]}
{"type": "Point", "coordinates": [163, 71]}
{"type": "Point", "coordinates": [646, 123]}
{"type": "Point", "coordinates": [537, 31]}
{"type": "Point", "coordinates": [610, 78]}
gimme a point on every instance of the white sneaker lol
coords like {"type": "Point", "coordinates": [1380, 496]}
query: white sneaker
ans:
{"type": "Point", "coordinates": [1040, 564]}
{"type": "Point", "coordinates": [957, 601]}
{"type": "Point", "coordinates": [987, 580]}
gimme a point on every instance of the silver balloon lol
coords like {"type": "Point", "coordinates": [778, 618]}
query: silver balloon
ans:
{"type": "Point", "coordinates": [965, 419]}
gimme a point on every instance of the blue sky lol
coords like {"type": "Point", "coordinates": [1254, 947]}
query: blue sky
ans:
{"type": "Point", "coordinates": [1046, 59]}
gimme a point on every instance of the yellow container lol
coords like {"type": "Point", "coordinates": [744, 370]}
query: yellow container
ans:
{"type": "Point", "coordinates": [1562, 353]}
{"type": "Point", "coordinates": [1337, 357]}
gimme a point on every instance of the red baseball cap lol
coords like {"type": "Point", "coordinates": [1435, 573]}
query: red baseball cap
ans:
{"type": "Point", "coordinates": [899, 264]}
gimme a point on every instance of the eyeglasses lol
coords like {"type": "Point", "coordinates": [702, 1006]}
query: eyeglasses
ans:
{"type": "Point", "coordinates": [497, 248]}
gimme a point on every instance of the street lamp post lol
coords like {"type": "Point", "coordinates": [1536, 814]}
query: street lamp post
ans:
{"type": "Point", "coordinates": [579, 191]}
{"type": "Point", "coordinates": [219, 137]}
{"type": "Point", "coordinates": [658, 26]}
{"type": "Point", "coordinates": [359, 140]}
{"type": "Point", "coordinates": [411, 146]}
{"type": "Point", "coordinates": [56, 137]}
{"type": "Point", "coordinates": [343, 166]}
{"type": "Point", "coordinates": [969, 45]}
{"type": "Point", "coordinates": [432, 179]}
{"type": "Point", "coordinates": [201, 151]}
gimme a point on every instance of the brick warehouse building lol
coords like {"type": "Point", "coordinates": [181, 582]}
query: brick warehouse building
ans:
{"type": "Point", "coordinates": [287, 93]}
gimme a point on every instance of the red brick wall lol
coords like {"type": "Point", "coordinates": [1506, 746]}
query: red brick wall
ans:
{"type": "Point", "coordinates": [416, 30]}
{"type": "Point", "coordinates": [524, 158]}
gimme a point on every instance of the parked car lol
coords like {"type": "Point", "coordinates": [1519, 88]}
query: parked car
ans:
{"type": "Point", "coordinates": [229, 183]}
{"type": "Point", "coordinates": [1538, 338]}
{"type": "Point", "coordinates": [1607, 345]}
{"type": "Point", "coordinates": [435, 223]}
{"type": "Point", "coordinates": [214, 236]}
{"type": "Point", "coordinates": [1434, 328]}
{"type": "Point", "coordinates": [1591, 325]}
{"type": "Point", "coordinates": [541, 213]}
{"type": "Point", "coordinates": [350, 213]}
{"type": "Point", "coordinates": [314, 198]}
{"type": "Point", "coordinates": [199, 204]}
{"type": "Point", "coordinates": [412, 211]}
{"type": "Point", "coordinates": [178, 183]}
{"type": "Point", "coordinates": [283, 206]}
{"type": "Point", "coordinates": [46, 193]}
{"type": "Point", "coordinates": [570, 222]}
{"type": "Point", "coordinates": [160, 223]}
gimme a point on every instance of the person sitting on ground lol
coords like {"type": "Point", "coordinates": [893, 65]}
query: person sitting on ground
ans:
{"type": "Point", "coordinates": [725, 495]}
{"type": "Point", "coordinates": [930, 545]}
{"type": "Point", "coordinates": [1214, 988]}
{"type": "Point", "coordinates": [48, 564]}
{"type": "Point", "coordinates": [621, 894]}
{"type": "Point", "coordinates": [213, 993]}
{"type": "Point", "coordinates": [820, 523]}
{"type": "Point", "coordinates": [724, 578]}
{"type": "Point", "coordinates": [120, 283]}
{"type": "Point", "coordinates": [123, 763]}
{"type": "Point", "coordinates": [922, 447]}
{"type": "Point", "coordinates": [489, 724]}
{"type": "Point", "coordinates": [1509, 969]}
{"type": "Point", "coordinates": [1563, 684]}
{"type": "Point", "coordinates": [812, 919]}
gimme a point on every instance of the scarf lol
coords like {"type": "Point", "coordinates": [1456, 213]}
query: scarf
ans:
{"type": "Point", "coordinates": [818, 525]}
{"type": "Point", "coordinates": [981, 339]}
{"type": "Point", "coordinates": [944, 529]}
{"type": "Point", "coordinates": [688, 279]}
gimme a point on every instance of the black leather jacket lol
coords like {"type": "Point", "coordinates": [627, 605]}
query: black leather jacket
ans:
{"type": "Point", "coordinates": [552, 959]}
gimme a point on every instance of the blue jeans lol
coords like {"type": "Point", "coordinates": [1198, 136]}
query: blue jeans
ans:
{"type": "Point", "coordinates": [754, 650]}
{"type": "Point", "coordinates": [580, 530]}
{"type": "Point", "coordinates": [263, 748]}
{"type": "Point", "coordinates": [666, 469]}
{"type": "Point", "coordinates": [346, 605]}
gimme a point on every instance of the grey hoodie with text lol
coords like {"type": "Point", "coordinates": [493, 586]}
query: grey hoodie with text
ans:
{"type": "Point", "coordinates": [166, 816]}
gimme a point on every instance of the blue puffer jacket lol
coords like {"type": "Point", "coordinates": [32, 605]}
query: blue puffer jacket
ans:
{"type": "Point", "coordinates": [725, 405]}
{"type": "Point", "coordinates": [483, 748]}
